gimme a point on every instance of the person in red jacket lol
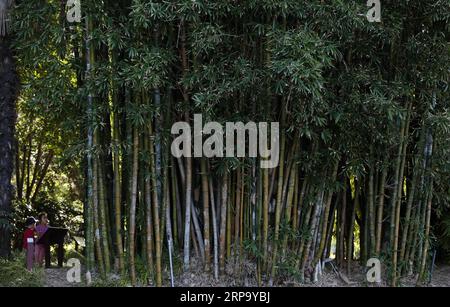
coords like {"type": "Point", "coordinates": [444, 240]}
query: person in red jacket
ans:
{"type": "Point", "coordinates": [28, 241]}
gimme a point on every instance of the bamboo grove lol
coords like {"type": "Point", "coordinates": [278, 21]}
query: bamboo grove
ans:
{"type": "Point", "coordinates": [364, 144]}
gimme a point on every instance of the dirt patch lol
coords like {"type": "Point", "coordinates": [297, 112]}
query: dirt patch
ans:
{"type": "Point", "coordinates": [441, 276]}
{"type": "Point", "coordinates": [244, 275]}
{"type": "Point", "coordinates": [57, 277]}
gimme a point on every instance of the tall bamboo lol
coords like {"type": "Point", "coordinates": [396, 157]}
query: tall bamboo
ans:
{"type": "Point", "coordinates": [206, 227]}
{"type": "Point", "coordinates": [223, 221]}
{"type": "Point", "coordinates": [155, 203]}
{"type": "Point", "coordinates": [380, 210]}
{"type": "Point", "coordinates": [133, 200]}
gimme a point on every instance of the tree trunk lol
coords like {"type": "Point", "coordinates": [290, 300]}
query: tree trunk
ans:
{"type": "Point", "coordinates": [9, 86]}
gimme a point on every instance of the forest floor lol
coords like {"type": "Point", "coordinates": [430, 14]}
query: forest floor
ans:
{"type": "Point", "coordinates": [441, 277]}
{"type": "Point", "coordinates": [244, 276]}
{"type": "Point", "coordinates": [57, 277]}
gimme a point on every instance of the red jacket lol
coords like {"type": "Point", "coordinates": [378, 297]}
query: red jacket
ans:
{"type": "Point", "coordinates": [29, 233]}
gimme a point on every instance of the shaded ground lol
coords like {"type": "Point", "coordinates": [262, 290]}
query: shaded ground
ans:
{"type": "Point", "coordinates": [57, 277]}
{"type": "Point", "coordinates": [329, 278]}
{"type": "Point", "coordinates": [441, 276]}
{"type": "Point", "coordinates": [244, 276]}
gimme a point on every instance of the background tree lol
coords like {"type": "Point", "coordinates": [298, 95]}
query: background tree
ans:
{"type": "Point", "coordinates": [9, 90]}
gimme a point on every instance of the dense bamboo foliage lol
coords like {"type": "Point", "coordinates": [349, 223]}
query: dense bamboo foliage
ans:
{"type": "Point", "coordinates": [364, 145]}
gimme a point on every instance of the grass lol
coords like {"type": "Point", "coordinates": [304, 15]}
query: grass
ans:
{"type": "Point", "coordinates": [13, 273]}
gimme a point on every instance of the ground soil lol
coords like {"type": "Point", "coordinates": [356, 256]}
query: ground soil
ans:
{"type": "Point", "coordinates": [244, 276]}
{"type": "Point", "coordinates": [56, 277]}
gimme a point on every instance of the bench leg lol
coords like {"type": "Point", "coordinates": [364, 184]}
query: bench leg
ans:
{"type": "Point", "coordinates": [47, 256]}
{"type": "Point", "coordinates": [60, 252]}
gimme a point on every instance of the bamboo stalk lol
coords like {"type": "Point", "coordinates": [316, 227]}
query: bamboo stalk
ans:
{"type": "Point", "coordinates": [350, 249]}
{"type": "Point", "coordinates": [398, 195]}
{"type": "Point", "coordinates": [342, 224]}
{"type": "Point", "coordinates": [223, 220]}
{"type": "Point", "coordinates": [188, 171]}
{"type": "Point", "coordinates": [215, 230]}
{"type": "Point", "coordinates": [423, 260]}
{"type": "Point", "coordinates": [380, 211]}
{"type": "Point", "coordinates": [175, 202]}
{"type": "Point", "coordinates": [206, 226]}
{"type": "Point", "coordinates": [229, 226]}
{"type": "Point", "coordinates": [117, 194]}
{"type": "Point", "coordinates": [238, 213]}
{"type": "Point", "coordinates": [95, 190]}
{"type": "Point", "coordinates": [409, 205]}
{"type": "Point", "coordinates": [132, 217]}
{"type": "Point", "coordinates": [103, 221]}
{"type": "Point", "coordinates": [289, 204]}
{"type": "Point", "coordinates": [187, 221]}
{"type": "Point", "coordinates": [198, 232]}
{"type": "Point", "coordinates": [326, 217]}
{"type": "Point", "coordinates": [148, 216]}
{"type": "Point", "coordinates": [90, 240]}
{"type": "Point", "coordinates": [265, 216]}
{"type": "Point", "coordinates": [278, 204]}
{"type": "Point", "coordinates": [155, 203]}
{"type": "Point", "coordinates": [371, 211]}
